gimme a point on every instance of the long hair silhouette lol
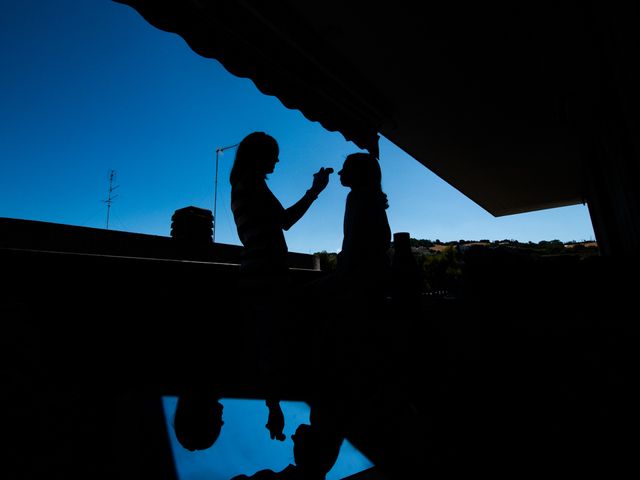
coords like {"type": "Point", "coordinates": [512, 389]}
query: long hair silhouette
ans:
{"type": "Point", "coordinates": [249, 155]}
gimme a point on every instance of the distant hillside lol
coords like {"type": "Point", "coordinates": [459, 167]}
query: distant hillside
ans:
{"type": "Point", "coordinates": [548, 247]}
{"type": "Point", "coordinates": [442, 265]}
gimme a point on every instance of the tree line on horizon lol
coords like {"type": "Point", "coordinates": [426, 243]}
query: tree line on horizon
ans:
{"type": "Point", "coordinates": [441, 265]}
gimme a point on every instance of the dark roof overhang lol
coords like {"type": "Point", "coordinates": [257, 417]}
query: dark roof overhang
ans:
{"type": "Point", "coordinates": [487, 96]}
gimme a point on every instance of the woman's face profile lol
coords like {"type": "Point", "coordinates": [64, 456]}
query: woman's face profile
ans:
{"type": "Point", "coordinates": [270, 159]}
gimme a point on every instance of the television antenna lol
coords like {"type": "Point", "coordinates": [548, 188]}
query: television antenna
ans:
{"type": "Point", "coordinates": [110, 197]}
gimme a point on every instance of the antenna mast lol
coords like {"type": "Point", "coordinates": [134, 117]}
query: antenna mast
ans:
{"type": "Point", "coordinates": [111, 197]}
{"type": "Point", "coordinates": [215, 191]}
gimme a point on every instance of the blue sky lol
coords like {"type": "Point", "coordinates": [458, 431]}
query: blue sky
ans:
{"type": "Point", "coordinates": [89, 86]}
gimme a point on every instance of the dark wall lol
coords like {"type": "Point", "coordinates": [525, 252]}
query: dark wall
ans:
{"type": "Point", "coordinates": [91, 342]}
{"type": "Point", "coordinates": [533, 368]}
{"type": "Point", "coordinates": [46, 236]}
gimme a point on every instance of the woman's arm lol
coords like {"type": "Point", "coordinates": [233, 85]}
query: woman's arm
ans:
{"type": "Point", "coordinates": [297, 210]}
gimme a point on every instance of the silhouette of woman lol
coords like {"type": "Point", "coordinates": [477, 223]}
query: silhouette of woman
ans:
{"type": "Point", "coordinates": [347, 341]}
{"type": "Point", "coordinates": [367, 235]}
{"type": "Point", "coordinates": [264, 274]}
{"type": "Point", "coordinates": [260, 218]}
{"type": "Point", "coordinates": [364, 265]}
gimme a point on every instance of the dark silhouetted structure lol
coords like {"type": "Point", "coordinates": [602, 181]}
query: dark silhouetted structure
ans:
{"type": "Point", "coordinates": [192, 225]}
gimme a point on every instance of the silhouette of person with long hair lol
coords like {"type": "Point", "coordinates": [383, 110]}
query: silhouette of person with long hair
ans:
{"type": "Point", "coordinates": [375, 408]}
{"type": "Point", "coordinates": [363, 262]}
{"type": "Point", "coordinates": [260, 218]}
{"type": "Point", "coordinates": [367, 235]}
{"type": "Point", "coordinates": [314, 451]}
{"type": "Point", "coordinates": [362, 275]}
{"type": "Point", "coordinates": [264, 274]}
{"type": "Point", "coordinates": [346, 341]}
{"type": "Point", "coordinates": [363, 265]}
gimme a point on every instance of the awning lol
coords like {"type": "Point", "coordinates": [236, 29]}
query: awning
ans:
{"type": "Point", "coordinates": [488, 97]}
